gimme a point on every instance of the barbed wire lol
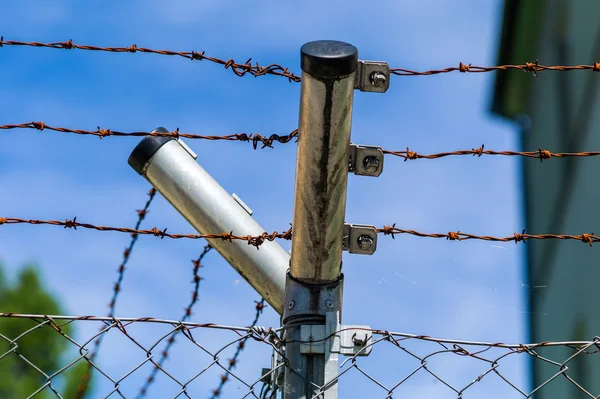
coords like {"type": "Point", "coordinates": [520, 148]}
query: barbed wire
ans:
{"type": "Point", "coordinates": [533, 67]}
{"type": "Point", "coordinates": [539, 154]}
{"type": "Point", "coordinates": [253, 138]}
{"type": "Point", "coordinates": [276, 69]}
{"type": "Point", "coordinates": [216, 393]}
{"type": "Point", "coordinates": [85, 379]}
{"type": "Point", "coordinates": [186, 316]}
{"type": "Point", "coordinates": [267, 141]}
{"type": "Point", "coordinates": [236, 68]}
{"type": "Point", "coordinates": [419, 354]}
{"type": "Point", "coordinates": [258, 240]}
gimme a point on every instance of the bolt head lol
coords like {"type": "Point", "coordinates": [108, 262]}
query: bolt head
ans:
{"type": "Point", "coordinates": [291, 305]}
{"type": "Point", "coordinates": [359, 342]}
{"type": "Point", "coordinates": [365, 242]}
{"type": "Point", "coordinates": [371, 163]}
{"type": "Point", "coordinates": [378, 79]}
{"type": "Point", "coordinates": [329, 304]}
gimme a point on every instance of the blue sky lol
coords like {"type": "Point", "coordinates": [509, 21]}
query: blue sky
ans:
{"type": "Point", "coordinates": [470, 290]}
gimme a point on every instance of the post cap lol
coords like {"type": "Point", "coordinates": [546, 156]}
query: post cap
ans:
{"type": "Point", "coordinates": [328, 59]}
{"type": "Point", "coordinates": [146, 149]}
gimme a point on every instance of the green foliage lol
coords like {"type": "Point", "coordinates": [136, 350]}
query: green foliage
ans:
{"type": "Point", "coordinates": [41, 346]}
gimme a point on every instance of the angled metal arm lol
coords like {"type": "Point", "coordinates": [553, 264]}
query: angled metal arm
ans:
{"type": "Point", "coordinates": [170, 166]}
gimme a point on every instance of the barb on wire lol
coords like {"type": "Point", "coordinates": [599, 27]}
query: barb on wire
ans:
{"type": "Point", "coordinates": [539, 154]}
{"type": "Point", "coordinates": [254, 138]}
{"type": "Point", "coordinates": [258, 240]}
{"type": "Point", "coordinates": [237, 68]}
{"type": "Point", "coordinates": [85, 379]}
{"type": "Point", "coordinates": [216, 393]}
{"type": "Point", "coordinates": [533, 67]}
{"type": "Point", "coordinates": [267, 141]}
{"type": "Point", "coordinates": [516, 237]}
{"type": "Point", "coordinates": [186, 316]}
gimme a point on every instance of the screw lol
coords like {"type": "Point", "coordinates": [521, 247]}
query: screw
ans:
{"type": "Point", "coordinates": [378, 79]}
{"type": "Point", "coordinates": [329, 304]}
{"type": "Point", "coordinates": [371, 163]}
{"type": "Point", "coordinates": [291, 305]}
{"type": "Point", "coordinates": [365, 242]}
{"type": "Point", "coordinates": [359, 342]}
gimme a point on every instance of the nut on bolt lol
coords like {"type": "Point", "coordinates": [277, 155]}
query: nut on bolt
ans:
{"type": "Point", "coordinates": [358, 341]}
{"type": "Point", "coordinates": [371, 163]}
{"type": "Point", "coordinates": [365, 242]}
{"type": "Point", "coordinates": [378, 79]}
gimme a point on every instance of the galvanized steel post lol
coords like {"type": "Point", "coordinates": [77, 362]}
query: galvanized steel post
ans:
{"type": "Point", "coordinates": [314, 282]}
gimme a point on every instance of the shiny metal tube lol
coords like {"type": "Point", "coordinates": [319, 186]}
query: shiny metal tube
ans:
{"type": "Point", "coordinates": [327, 93]}
{"type": "Point", "coordinates": [173, 171]}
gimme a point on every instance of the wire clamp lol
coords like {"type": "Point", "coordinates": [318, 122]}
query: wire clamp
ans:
{"type": "Point", "coordinates": [372, 76]}
{"type": "Point", "coordinates": [359, 239]}
{"type": "Point", "coordinates": [365, 160]}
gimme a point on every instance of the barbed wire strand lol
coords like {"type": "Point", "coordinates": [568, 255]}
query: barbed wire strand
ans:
{"type": "Point", "coordinates": [216, 393]}
{"type": "Point", "coordinates": [186, 316]}
{"type": "Point", "coordinates": [237, 68]}
{"type": "Point", "coordinates": [85, 379]}
{"type": "Point", "coordinates": [258, 240]}
{"type": "Point", "coordinates": [539, 154]}
{"type": "Point", "coordinates": [267, 141]}
{"type": "Point", "coordinates": [533, 67]}
{"type": "Point", "coordinates": [253, 138]}
{"type": "Point", "coordinates": [276, 69]}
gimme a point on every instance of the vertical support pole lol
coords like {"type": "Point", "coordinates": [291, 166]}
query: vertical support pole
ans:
{"type": "Point", "coordinates": [314, 282]}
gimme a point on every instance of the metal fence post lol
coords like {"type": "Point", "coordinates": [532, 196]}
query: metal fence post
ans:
{"type": "Point", "coordinates": [171, 167]}
{"type": "Point", "coordinates": [314, 282]}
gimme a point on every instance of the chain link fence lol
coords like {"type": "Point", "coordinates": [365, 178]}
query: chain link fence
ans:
{"type": "Point", "coordinates": [399, 365]}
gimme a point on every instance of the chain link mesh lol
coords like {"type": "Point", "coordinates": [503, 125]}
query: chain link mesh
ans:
{"type": "Point", "coordinates": [400, 364]}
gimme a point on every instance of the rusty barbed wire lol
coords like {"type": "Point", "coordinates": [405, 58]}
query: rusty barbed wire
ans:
{"type": "Point", "coordinates": [533, 67]}
{"type": "Point", "coordinates": [236, 68]}
{"type": "Point", "coordinates": [276, 69]}
{"type": "Point", "coordinates": [411, 354]}
{"type": "Point", "coordinates": [258, 240]}
{"type": "Point", "coordinates": [253, 138]}
{"type": "Point", "coordinates": [85, 379]}
{"type": "Point", "coordinates": [516, 237]}
{"type": "Point", "coordinates": [267, 141]}
{"type": "Point", "coordinates": [539, 154]}
{"type": "Point", "coordinates": [186, 316]}
{"type": "Point", "coordinates": [216, 393]}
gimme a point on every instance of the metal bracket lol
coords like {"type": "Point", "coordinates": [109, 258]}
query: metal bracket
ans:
{"type": "Point", "coordinates": [299, 303]}
{"type": "Point", "coordinates": [359, 239]}
{"type": "Point", "coordinates": [350, 340]}
{"type": "Point", "coordinates": [188, 149]}
{"type": "Point", "coordinates": [372, 76]}
{"type": "Point", "coordinates": [365, 160]}
{"type": "Point", "coordinates": [242, 204]}
{"type": "Point", "coordinates": [274, 375]}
